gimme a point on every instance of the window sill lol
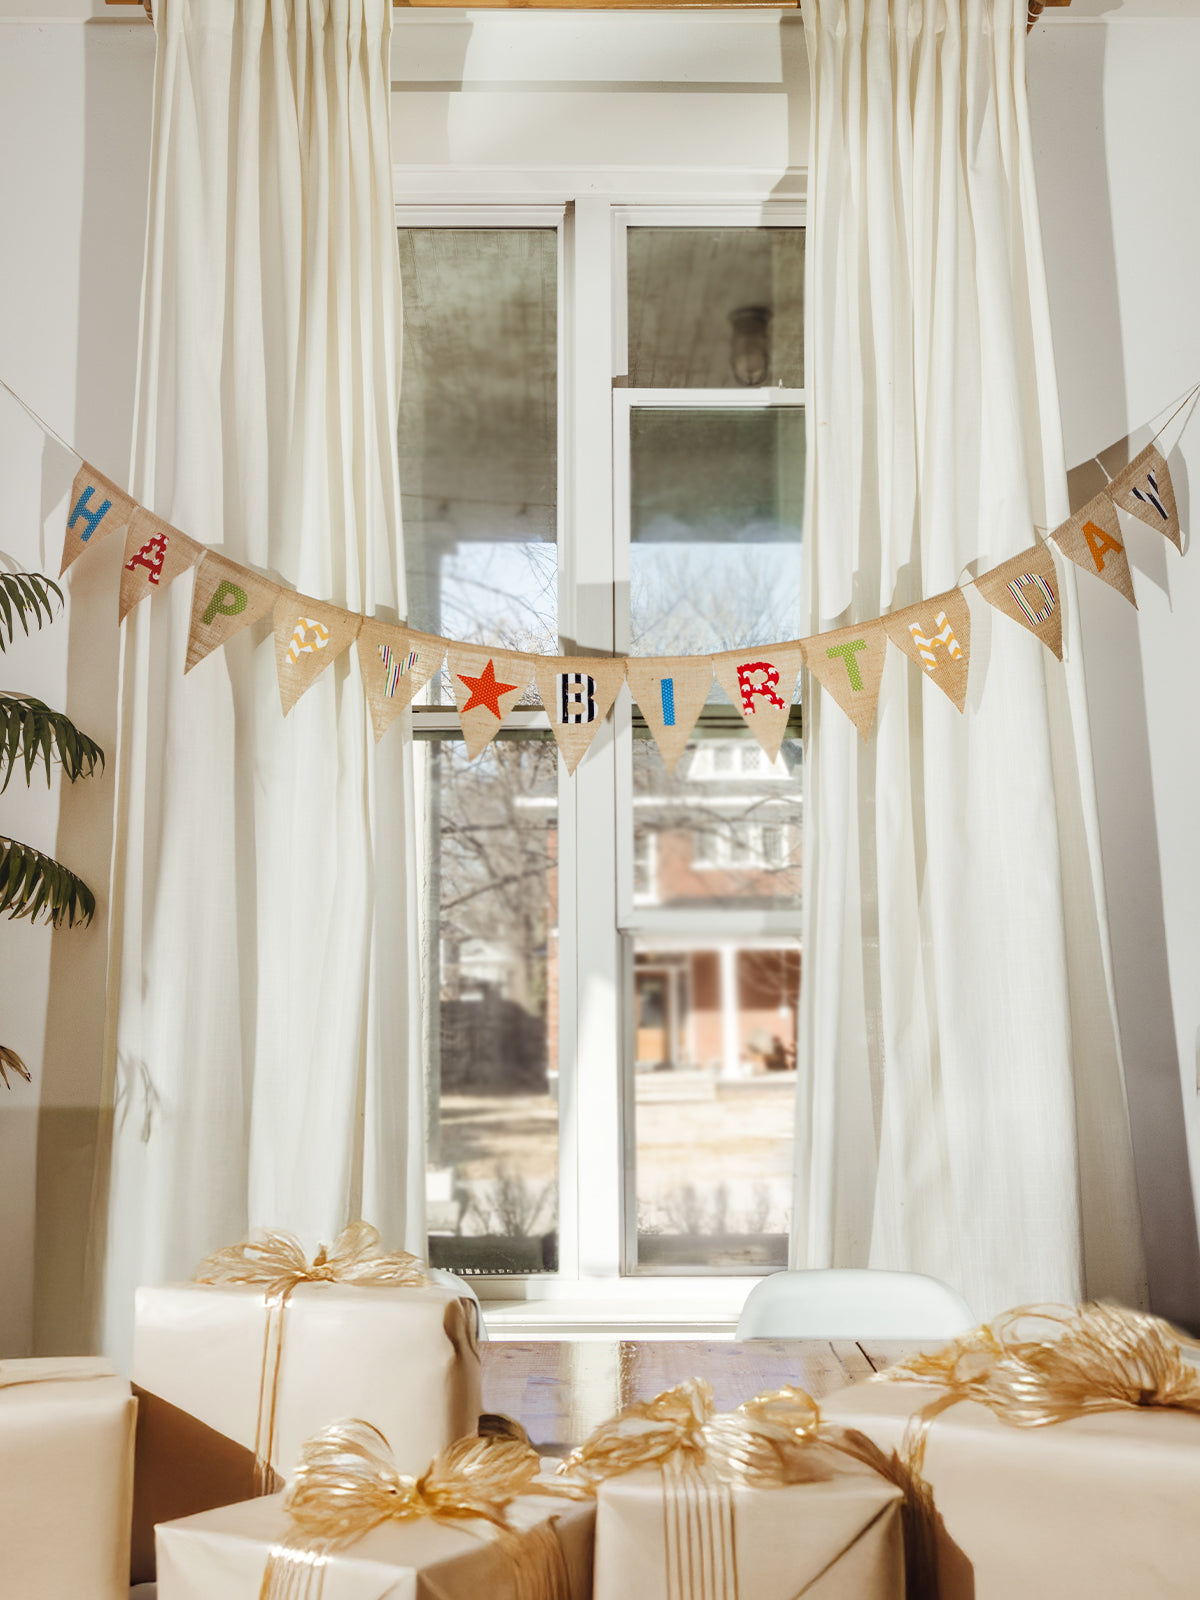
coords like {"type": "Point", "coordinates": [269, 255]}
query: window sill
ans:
{"type": "Point", "coordinates": [611, 1309]}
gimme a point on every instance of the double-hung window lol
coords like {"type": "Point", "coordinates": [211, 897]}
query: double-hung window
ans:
{"type": "Point", "coordinates": [602, 452]}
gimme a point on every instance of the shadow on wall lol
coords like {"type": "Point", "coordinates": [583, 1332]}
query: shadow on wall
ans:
{"type": "Point", "coordinates": [118, 72]}
{"type": "Point", "coordinates": [1084, 292]}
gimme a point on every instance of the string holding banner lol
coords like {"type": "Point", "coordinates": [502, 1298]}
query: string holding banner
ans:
{"type": "Point", "coordinates": [578, 691]}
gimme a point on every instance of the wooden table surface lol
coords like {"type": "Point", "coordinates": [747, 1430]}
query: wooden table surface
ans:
{"type": "Point", "coordinates": [561, 1389]}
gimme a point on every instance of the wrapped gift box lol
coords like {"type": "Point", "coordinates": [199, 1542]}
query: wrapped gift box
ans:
{"type": "Point", "coordinates": [225, 1553]}
{"type": "Point", "coordinates": [1106, 1506]}
{"type": "Point", "coordinates": [66, 1480]}
{"type": "Point", "coordinates": [408, 1358]}
{"type": "Point", "coordinates": [840, 1539]}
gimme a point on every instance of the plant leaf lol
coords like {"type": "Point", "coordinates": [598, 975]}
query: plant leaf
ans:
{"type": "Point", "coordinates": [32, 732]}
{"type": "Point", "coordinates": [25, 593]}
{"type": "Point", "coordinates": [10, 1058]}
{"type": "Point", "coordinates": [35, 885]}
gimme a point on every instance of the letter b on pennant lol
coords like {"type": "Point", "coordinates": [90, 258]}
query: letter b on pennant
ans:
{"type": "Point", "coordinates": [576, 696]}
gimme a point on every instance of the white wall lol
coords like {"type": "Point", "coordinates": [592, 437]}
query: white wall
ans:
{"type": "Point", "coordinates": [1116, 119]}
{"type": "Point", "coordinates": [641, 106]}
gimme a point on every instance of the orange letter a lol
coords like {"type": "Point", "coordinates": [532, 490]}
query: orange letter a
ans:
{"type": "Point", "coordinates": [1098, 542]}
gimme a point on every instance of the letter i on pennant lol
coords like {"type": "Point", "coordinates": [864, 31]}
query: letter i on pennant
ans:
{"type": "Point", "coordinates": [670, 693]}
{"type": "Point", "coordinates": [848, 664]}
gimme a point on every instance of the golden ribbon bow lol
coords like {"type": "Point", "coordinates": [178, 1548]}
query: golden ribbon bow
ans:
{"type": "Point", "coordinates": [1038, 1365]}
{"type": "Point", "coordinates": [276, 1263]}
{"type": "Point", "coordinates": [346, 1483]}
{"type": "Point", "coordinates": [771, 1442]}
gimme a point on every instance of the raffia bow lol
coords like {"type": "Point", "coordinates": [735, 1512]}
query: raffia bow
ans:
{"type": "Point", "coordinates": [771, 1442]}
{"type": "Point", "coordinates": [276, 1263]}
{"type": "Point", "coordinates": [1038, 1365]}
{"type": "Point", "coordinates": [346, 1483]}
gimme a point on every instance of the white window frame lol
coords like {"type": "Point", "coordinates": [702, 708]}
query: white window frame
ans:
{"type": "Point", "coordinates": [595, 1289]}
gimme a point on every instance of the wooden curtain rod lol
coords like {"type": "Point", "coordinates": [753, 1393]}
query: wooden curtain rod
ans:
{"type": "Point", "coordinates": [1035, 7]}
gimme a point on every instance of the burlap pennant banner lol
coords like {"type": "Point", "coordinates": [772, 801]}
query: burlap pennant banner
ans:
{"type": "Point", "coordinates": [577, 692]}
{"type": "Point", "coordinates": [848, 663]}
{"type": "Point", "coordinates": [1027, 590]}
{"type": "Point", "coordinates": [936, 634]}
{"type": "Point", "coordinates": [1144, 488]}
{"type": "Point", "coordinates": [670, 691]}
{"type": "Point", "coordinates": [1092, 540]}
{"type": "Point", "coordinates": [309, 636]}
{"type": "Point", "coordinates": [396, 665]}
{"type": "Point", "coordinates": [487, 684]}
{"type": "Point", "coordinates": [761, 682]}
{"type": "Point", "coordinates": [155, 555]}
{"type": "Point", "coordinates": [226, 599]}
{"type": "Point", "coordinates": [98, 508]}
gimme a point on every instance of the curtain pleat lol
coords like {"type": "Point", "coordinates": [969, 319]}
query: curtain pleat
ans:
{"type": "Point", "coordinates": [961, 1107]}
{"type": "Point", "coordinates": [264, 1058]}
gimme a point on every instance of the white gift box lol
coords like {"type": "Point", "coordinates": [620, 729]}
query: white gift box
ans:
{"type": "Point", "coordinates": [66, 1480]}
{"type": "Point", "coordinates": [224, 1554]}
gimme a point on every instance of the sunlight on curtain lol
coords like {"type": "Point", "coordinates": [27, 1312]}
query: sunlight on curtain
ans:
{"type": "Point", "coordinates": [961, 1107]}
{"type": "Point", "coordinates": [264, 1056]}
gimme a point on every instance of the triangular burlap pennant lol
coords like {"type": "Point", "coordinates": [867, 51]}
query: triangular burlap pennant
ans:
{"type": "Point", "coordinates": [309, 636]}
{"type": "Point", "coordinates": [671, 691]}
{"type": "Point", "coordinates": [396, 665]}
{"type": "Point", "coordinates": [155, 555]}
{"type": "Point", "coordinates": [1092, 540]}
{"type": "Point", "coordinates": [487, 684]}
{"type": "Point", "coordinates": [936, 634]}
{"type": "Point", "coordinates": [577, 692]}
{"type": "Point", "coordinates": [761, 683]}
{"type": "Point", "coordinates": [848, 662]}
{"type": "Point", "coordinates": [226, 599]}
{"type": "Point", "coordinates": [1144, 488]}
{"type": "Point", "coordinates": [98, 508]}
{"type": "Point", "coordinates": [1026, 589]}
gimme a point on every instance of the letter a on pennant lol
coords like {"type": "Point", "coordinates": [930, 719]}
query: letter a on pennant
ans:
{"type": "Point", "coordinates": [577, 692]}
{"type": "Point", "coordinates": [1027, 590]}
{"type": "Point", "coordinates": [936, 634]}
{"type": "Point", "coordinates": [97, 509]}
{"type": "Point", "coordinates": [1092, 540]}
{"type": "Point", "coordinates": [670, 691]}
{"type": "Point", "coordinates": [761, 684]}
{"type": "Point", "coordinates": [487, 684]}
{"type": "Point", "coordinates": [1144, 488]}
{"type": "Point", "coordinates": [155, 555]}
{"type": "Point", "coordinates": [848, 664]}
{"type": "Point", "coordinates": [396, 664]}
{"type": "Point", "coordinates": [309, 636]}
{"type": "Point", "coordinates": [226, 599]}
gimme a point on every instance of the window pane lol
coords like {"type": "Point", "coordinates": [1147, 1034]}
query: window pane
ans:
{"type": "Point", "coordinates": [716, 308]}
{"type": "Point", "coordinates": [714, 1095]}
{"type": "Point", "coordinates": [716, 515]}
{"type": "Point", "coordinates": [478, 434]}
{"type": "Point", "coordinates": [723, 830]}
{"type": "Point", "coordinates": [491, 1025]}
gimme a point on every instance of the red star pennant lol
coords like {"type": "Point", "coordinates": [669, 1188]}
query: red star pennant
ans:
{"type": "Point", "coordinates": [485, 690]}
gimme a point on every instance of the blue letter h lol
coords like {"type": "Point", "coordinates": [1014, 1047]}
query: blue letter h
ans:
{"type": "Point", "coordinates": [92, 518]}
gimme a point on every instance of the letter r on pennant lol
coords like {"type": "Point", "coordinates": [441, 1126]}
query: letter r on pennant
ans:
{"type": "Point", "coordinates": [227, 601]}
{"type": "Point", "coordinates": [747, 673]}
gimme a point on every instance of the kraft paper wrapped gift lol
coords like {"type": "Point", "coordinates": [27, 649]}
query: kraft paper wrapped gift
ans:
{"type": "Point", "coordinates": [224, 1553]}
{"type": "Point", "coordinates": [836, 1540]}
{"type": "Point", "coordinates": [66, 1480]}
{"type": "Point", "coordinates": [267, 1375]}
{"type": "Point", "coordinates": [1106, 1506]}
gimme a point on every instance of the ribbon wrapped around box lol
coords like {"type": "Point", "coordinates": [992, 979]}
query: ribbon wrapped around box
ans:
{"type": "Point", "coordinates": [1062, 1447]}
{"type": "Point", "coordinates": [237, 1369]}
{"type": "Point", "coordinates": [479, 1522]}
{"type": "Point", "coordinates": [66, 1480]}
{"type": "Point", "coordinates": [764, 1503]}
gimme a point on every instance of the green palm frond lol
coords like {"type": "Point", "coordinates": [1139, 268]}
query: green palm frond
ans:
{"type": "Point", "coordinates": [31, 732]}
{"type": "Point", "coordinates": [25, 595]}
{"type": "Point", "coordinates": [10, 1058]}
{"type": "Point", "coordinates": [34, 885]}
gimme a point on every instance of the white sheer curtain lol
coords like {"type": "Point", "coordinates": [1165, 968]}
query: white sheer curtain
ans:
{"type": "Point", "coordinates": [961, 1108]}
{"type": "Point", "coordinates": [265, 1038]}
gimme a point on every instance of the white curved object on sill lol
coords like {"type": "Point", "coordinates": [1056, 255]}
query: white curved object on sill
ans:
{"type": "Point", "coordinates": [853, 1303]}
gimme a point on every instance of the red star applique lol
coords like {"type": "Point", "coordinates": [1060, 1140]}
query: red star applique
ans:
{"type": "Point", "coordinates": [485, 691]}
